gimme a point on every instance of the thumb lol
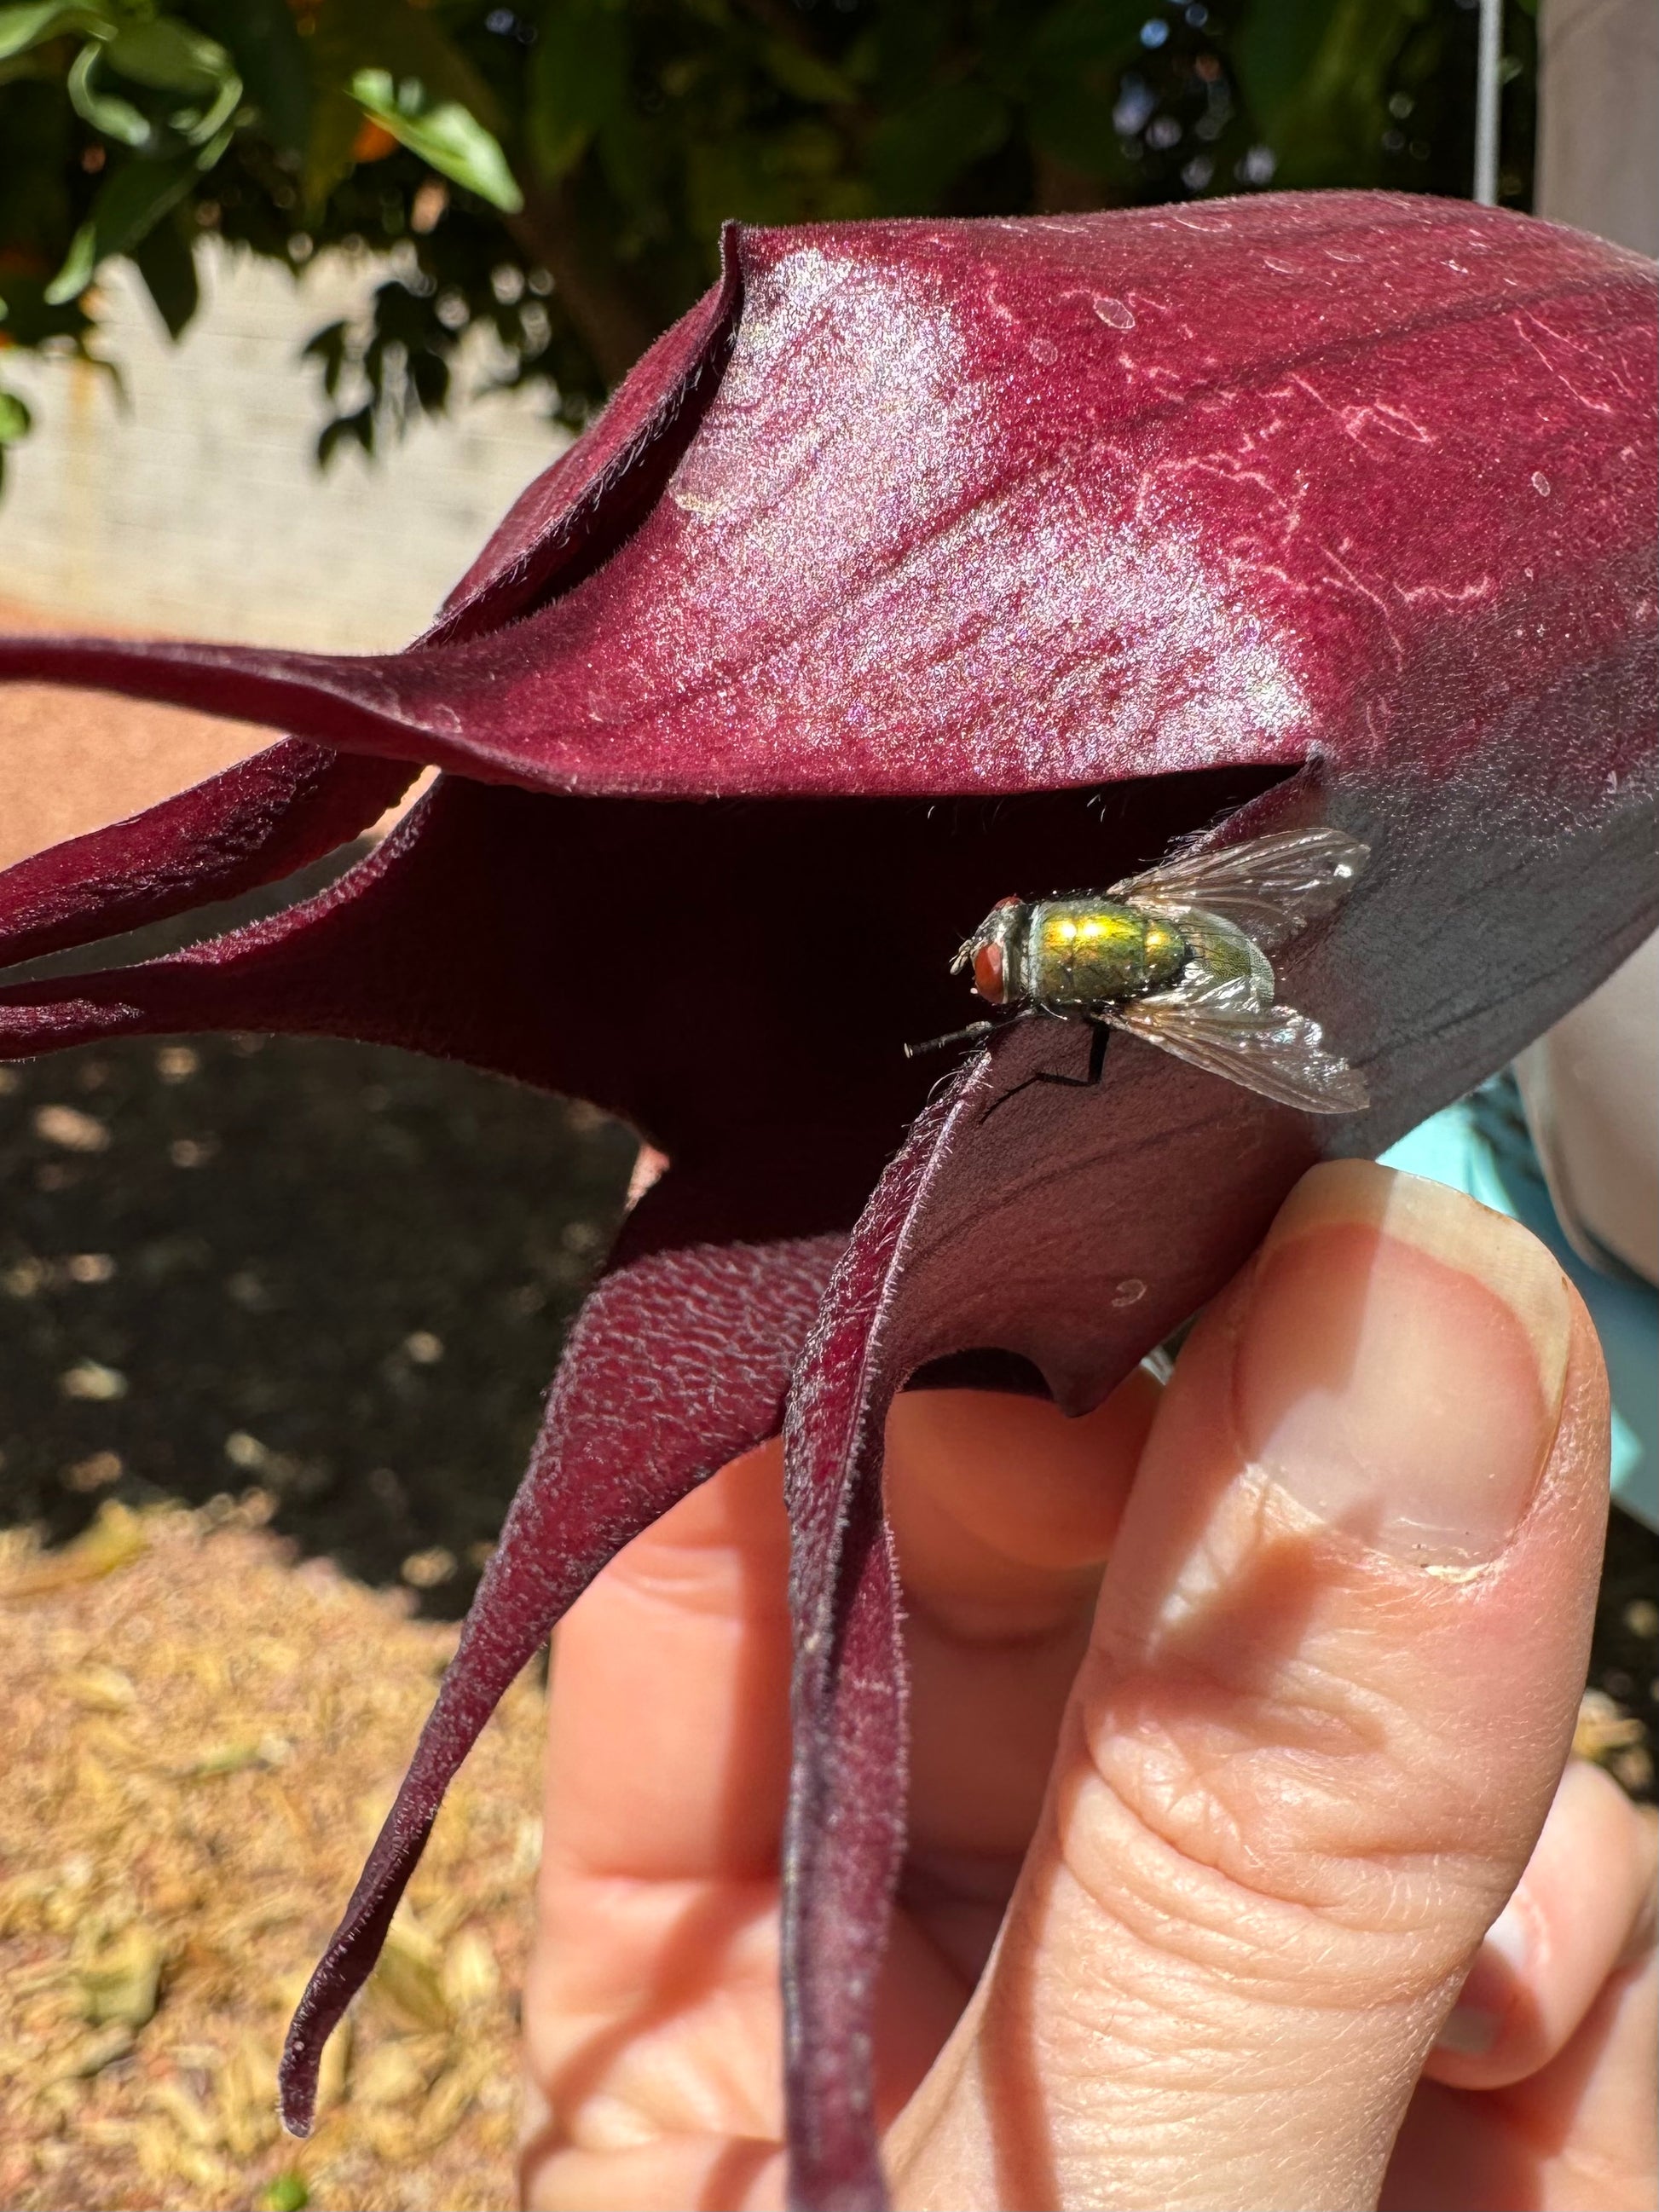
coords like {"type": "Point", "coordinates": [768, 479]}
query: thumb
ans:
{"type": "Point", "coordinates": [1332, 1683]}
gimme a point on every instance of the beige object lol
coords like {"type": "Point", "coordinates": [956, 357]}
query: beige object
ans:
{"type": "Point", "coordinates": [1592, 1085]}
{"type": "Point", "coordinates": [1598, 118]}
{"type": "Point", "coordinates": [72, 760]}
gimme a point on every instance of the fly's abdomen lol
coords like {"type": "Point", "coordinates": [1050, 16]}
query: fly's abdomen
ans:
{"type": "Point", "coordinates": [1090, 952]}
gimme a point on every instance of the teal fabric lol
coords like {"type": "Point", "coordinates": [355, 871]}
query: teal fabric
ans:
{"type": "Point", "coordinates": [1480, 1145]}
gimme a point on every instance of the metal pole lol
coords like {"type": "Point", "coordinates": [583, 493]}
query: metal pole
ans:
{"type": "Point", "coordinates": [1486, 90]}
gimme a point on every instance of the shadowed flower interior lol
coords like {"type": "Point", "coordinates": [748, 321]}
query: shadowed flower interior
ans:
{"type": "Point", "coordinates": [923, 565]}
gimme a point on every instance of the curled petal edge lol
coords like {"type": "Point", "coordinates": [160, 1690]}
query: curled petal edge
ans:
{"type": "Point", "coordinates": [619, 1446]}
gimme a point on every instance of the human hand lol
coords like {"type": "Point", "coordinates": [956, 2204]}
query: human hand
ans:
{"type": "Point", "coordinates": [1238, 1714]}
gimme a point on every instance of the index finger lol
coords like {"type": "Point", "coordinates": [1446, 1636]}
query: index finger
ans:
{"type": "Point", "coordinates": [668, 1721]}
{"type": "Point", "coordinates": [669, 1724]}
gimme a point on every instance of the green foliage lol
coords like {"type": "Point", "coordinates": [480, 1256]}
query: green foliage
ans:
{"type": "Point", "coordinates": [555, 172]}
{"type": "Point", "coordinates": [445, 135]}
{"type": "Point", "coordinates": [15, 421]}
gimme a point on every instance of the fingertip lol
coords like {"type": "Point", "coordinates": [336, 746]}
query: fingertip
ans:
{"type": "Point", "coordinates": [668, 1727]}
{"type": "Point", "coordinates": [1400, 1364]}
{"type": "Point", "coordinates": [1000, 1504]}
{"type": "Point", "coordinates": [1582, 1911]}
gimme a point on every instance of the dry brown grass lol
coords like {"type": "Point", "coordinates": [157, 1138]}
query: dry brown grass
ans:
{"type": "Point", "coordinates": [197, 1741]}
{"type": "Point", "coordinates": [198, 1738]}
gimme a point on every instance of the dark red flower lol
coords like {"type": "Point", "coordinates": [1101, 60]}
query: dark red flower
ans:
{"type": "Point", "coordinates": [922, 563]}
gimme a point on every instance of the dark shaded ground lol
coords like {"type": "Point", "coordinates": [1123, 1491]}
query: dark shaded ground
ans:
{"type": "Point", "coordinates": [337, 1272]}
{"type": "Point", "coordinates": [1624, 1661]}
{"type": "Point", "coordinates": [344, 1275]}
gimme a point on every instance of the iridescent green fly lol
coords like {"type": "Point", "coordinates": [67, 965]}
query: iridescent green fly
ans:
{"type": "Point", "coordinates": [1179, 956]}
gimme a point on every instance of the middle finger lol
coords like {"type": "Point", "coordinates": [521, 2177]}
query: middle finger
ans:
{"type": "Point", "coordinates": [1003, 1512]}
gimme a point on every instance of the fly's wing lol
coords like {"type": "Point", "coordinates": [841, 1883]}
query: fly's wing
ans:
{"type": "Point", "coordinates": [1226, 971]}
{"type": "Point", "coordinates": [1273, 1050]}
{"type": "Point", "coordinates": [1221, 1016]}
{"type": "Point", "coordinates": [1268, 886]}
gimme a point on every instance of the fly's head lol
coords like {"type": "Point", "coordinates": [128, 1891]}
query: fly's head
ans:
{"type": "Point", "coordinates": [992, 954]}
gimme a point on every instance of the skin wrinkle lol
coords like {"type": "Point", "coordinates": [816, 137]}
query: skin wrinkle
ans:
{"type": "Point", "coordinates": [1173, 2036]}
{"type": "Point", "coordinates": [1171, 1902]}
{"type": "Point", "coordinates": [1315, 1928]}
{"type": "Point", "coordinates": [1158, 2042]}
{"type": "Point", "coordinates": [1193, 2055]}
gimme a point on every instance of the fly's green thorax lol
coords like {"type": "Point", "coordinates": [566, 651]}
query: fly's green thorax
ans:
{"type": "Point", "coordinates": [1083, 953]}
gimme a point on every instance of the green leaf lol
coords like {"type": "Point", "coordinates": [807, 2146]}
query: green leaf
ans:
{"type": "Point", "coordinates": [28, 26]}
{"type": "Point", "coordinates": [14, 418]}
{"type": "Point", "coordinates": [168, 56]}
{"type": "Point", "coordinates": [406, 40]}
{"type": "Point", "coordinates": [130, 202]}
{"type": "Point", "coordinates": [579, 83]}
{"type": "Point", "coordinates": [265, 45]}
{"type": "Point", "coordinates": [1314, 75]}
{"type": "Point", "coordinates": [442, 132]}
{"type": "Point", "coordinates": [1273, 50]}
{"type": "Point", "coordinates": [921, 148]}
{"type": "Point", "coordinates": [167, 266]}
{"type": "Point", "coordinates": [800, 71]}
{"type": "Point", "coordinates": [388, 35]}
{"type": "Point", "coordinates": [287, 2193]}
{"type": "Point", "coordinates": [116, 117]}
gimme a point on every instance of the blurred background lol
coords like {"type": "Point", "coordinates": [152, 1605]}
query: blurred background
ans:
{"type": "Point", "coordinates": [295, 296]}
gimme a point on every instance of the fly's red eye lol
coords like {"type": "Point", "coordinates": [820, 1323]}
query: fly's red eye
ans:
{"type": "Point", "coordinates": [988, 973]}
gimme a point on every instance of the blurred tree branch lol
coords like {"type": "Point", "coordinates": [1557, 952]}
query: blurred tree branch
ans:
{"type": "Point", "coordinates": [552, 175]}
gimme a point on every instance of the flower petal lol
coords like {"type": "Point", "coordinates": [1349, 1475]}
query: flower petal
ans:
{"type": "Point", "coordinates": [844, 1836]}
{"type": "Point", "coordinates": [269, 815]}
{"type": "Point", "coordinates": [714, 975]}
{"type": "Point", "coordinates": [949, 521]}
{"type": "Point", "coordinates": [577, 513]}
{"type": "Point", "coordinates": [1344, 499]}
{"type": "Point", "coordinates": [1074, 1228]}
{"type": "Point", "coordinates": [251, 825]}
{"type": "Point", "coordinates": [678, 1363]}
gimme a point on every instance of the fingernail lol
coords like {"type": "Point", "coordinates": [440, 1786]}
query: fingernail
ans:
{"type": "Point", "coordinates": [1400, 1364]}
{"type": "Point", "coordinates": [1474, 2022]}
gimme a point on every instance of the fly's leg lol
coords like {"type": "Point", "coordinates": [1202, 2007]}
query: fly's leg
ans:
{"type": "Point", "coordinates": [1099, 1038]}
